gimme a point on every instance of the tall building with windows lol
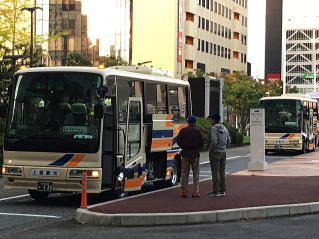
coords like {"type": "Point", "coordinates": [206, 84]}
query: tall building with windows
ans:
{"type": "Point", "coordinates": [185, 35]}
{"type": "Point", "coordinates": [273, 40]}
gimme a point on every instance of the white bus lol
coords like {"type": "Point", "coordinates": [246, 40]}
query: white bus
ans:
{"type": "Point", "coordinates": [119, 126]}
{"type": "Point", "coordinates": [290, 122]}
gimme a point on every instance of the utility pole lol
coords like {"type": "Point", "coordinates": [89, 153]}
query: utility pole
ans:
{"type": "Point", "coordinates": [31, 10]}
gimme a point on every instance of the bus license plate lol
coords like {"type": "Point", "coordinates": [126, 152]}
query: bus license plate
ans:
{"type": "Point", "coordinates": [45, 186]}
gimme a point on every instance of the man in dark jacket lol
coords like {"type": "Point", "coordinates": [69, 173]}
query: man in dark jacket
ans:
{"type": "Point", "coordinates": [190, 140]}
{"type": "Point", "coordinates": [217, 155]}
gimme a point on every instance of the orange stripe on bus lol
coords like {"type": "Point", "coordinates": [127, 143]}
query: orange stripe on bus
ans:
{"type": "Point", "coordinates": [171, 155]}
{"type": "Point", "coordinates": [291, 135]}
{"type": "Point", "coordinates": [75, 160]}
{"type": "Point", "coordinates": [169, 122]}
{"type": "Point", "coordinates": [159, 143]}
{"type": "Point", "coordinates": [177, 129]}
{"type": "Point", "coordinates": [132, 183]}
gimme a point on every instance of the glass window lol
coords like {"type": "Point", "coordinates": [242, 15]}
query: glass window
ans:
{"type": "Point", "coordinates": [173, 104]}
{"type": "Point", "coordinates": [134, 130]}
{"type": "Point", "coordinates": [126, 88]}
{"type": "Point", "coordinates": [150, 98]}
{"type": "Point", "coordinates": [161, 107]}
{"type": "Point", "coordinates": [54, 112]}
{"type": "Point", "coordinates": [182, 99]}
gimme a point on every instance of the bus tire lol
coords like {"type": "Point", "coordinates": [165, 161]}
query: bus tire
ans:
{"type": "Point", "coordinates": [38, 195]}
{"type": "Point", "coordinates": [171, 182]}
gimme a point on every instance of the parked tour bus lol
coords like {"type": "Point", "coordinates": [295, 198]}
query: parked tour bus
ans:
{"type": "Point", "coordinates": [290, 122]}
{"type": "Point", "coordinates": [116, 124]}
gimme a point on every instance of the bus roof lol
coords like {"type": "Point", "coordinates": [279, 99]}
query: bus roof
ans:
{"type": "Point", "coordinates": [289, 97]}
{"type": "Point", "coordinates": [105, 72]}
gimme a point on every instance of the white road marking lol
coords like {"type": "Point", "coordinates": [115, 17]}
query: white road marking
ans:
{"type": "Point", "coordinates": [9, 198]}
{"type": "Point", "coordinates": [28, 215]}
{"type": "Point", "coordinates": [230, 158]}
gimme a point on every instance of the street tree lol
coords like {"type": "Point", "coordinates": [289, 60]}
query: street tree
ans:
{"type": "Point", "coordinates": [76, 59]}
{"type": "Point", "coordinates": [113, 61]}
{"type": "Point", "coordinates": [241, 93]}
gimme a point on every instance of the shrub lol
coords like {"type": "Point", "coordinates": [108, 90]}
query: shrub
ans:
{"type": "Point", "coordinates": [235, 135]}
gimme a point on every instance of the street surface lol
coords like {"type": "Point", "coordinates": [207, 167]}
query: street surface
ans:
{"type": "Point", "coordinates": [21, 216]}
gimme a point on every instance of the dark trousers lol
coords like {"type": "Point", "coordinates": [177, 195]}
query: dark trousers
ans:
{"type": "Point", "coordinates": [217, 165]}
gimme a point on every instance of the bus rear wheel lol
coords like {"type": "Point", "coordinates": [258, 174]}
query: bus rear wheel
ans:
{"type": "Point", "coordinates": [38, 195]}
{"type": "Point", "coordinates": [173, 181]}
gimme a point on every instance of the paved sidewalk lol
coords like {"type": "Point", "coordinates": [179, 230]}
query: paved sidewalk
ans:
{"type": "Point", "coordinates": [287, 187]}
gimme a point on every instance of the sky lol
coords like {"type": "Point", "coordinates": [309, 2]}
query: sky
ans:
{"type": "Point", "coordinates": [293, 9]}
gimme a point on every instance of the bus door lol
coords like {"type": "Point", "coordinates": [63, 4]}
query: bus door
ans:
{"type": "Point", "coordinates": [110, 142]}
{"type": "Point", "coordinates": [134, 146]}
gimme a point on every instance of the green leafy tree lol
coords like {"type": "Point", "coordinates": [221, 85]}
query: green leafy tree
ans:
{"type": "Point", "coordinates": [113, 61]}
{"type": "Point", "coordinates": [241, 93]}
{"type": "Point", "coordinates": [76, 59]}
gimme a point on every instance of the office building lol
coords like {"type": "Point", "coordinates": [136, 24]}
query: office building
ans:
{"type": "Point", "coordinates": [208, 35]}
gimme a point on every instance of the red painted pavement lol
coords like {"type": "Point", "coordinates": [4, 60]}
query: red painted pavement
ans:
{"type": "Point", "coordinates": [291, 181]}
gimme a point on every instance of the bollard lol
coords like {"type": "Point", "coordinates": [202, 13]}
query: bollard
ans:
{"type": "Point", "coordinates": [84, 188]}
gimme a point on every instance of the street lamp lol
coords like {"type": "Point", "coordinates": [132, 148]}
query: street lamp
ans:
{"type": "Point", "coordinates": [31, 10]}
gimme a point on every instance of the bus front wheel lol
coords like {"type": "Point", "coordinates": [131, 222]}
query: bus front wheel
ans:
{"type": "Point", "coordinates": [38, 195]}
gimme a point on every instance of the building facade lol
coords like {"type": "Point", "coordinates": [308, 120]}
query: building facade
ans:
{"type": "Point", "coordinates": [273, 40]}
{"type": "Point", "coordinates": [207, 35]}
{"type": "Point", "coordinates": [301, 54]}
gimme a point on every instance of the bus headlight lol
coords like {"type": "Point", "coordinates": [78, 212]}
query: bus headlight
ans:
{"type": "Point", "coordinates": [12, 171]}
{"type": "Point", "coordinates": [75, 173]}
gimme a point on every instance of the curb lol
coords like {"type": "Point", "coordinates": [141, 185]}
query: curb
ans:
{"type": "Point", "coordinates": [85, 216]}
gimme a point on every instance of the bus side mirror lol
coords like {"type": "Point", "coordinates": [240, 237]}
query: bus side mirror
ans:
{"type": "Point", "coordinates": [98, 111]}
{"type": "Point", "coordinates": [3, 110]}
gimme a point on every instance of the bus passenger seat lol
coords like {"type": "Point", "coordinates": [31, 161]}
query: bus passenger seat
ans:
{"type": "Point", "coordinates": [79, 113]}
{"type": "Point", "coordinates": [64, 110]}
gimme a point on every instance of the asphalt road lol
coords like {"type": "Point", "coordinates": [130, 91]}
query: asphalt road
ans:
{"type": "Point", "coordinates": [21, 216]}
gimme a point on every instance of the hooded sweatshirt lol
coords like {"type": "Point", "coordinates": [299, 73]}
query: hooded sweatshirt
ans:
{"type": "Point", "coordinates": [219, 138]}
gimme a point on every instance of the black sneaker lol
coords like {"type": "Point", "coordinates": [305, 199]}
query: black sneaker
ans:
{"type": "Point", "coordinates": [222, 194]}
{"type": "Point", "coordinates": [212, 194]}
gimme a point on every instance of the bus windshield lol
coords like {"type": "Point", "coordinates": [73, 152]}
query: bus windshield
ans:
{"type": "Point", "coordinates": [53, 112]}
{"type": "Point", "coordinates": [282, 116]}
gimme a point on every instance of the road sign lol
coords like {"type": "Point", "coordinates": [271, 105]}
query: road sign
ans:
{"type": "Point", "coordinates": [308, 75]}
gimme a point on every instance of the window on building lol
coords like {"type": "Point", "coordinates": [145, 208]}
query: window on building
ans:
{"type": "Point", "coordinates": [226, 52]}
{"type": "Point", "coordinates": [215, 7]}
{"type": "Point", "coordinates": [226, 12]}
{"type": "Point", "coordinates": [218, 50]}
{"type": "Point", "coordinates": [199, 21]}
{"type": "Point", "coordinates": [212, 5]}
{"type": "Point", "coordinates": [236, 16]}
{"type": "Point", "coordinates": [215, 49]}
{"type": "Point", "coordinates": [222, 51]}
{"type": "Point", "coordinates": [235, 54]}
{"type": "Point", "coordinates": [206, 48]}
{"type": "Point", "coordinates": [207, 4]}
{"type": "Point", "coordinates": [199, 2]}
{"type": "Point", "coordinates": [189, 40]}
{"type": "Point", "coordinates": [207, 25]}
{"type": "Point", "coordinates": [229, 52]}
{"type": "Point", "coordinates": [215, 28]}
{"type": "Point", "coordinates": [203, 46]}
{"type": "Point", "coordinates": [211, 26]}
{"type": "Point", "coordinates": [219, 8]}
{"type": "Point", "coordinates": [218, 30]}
{"type": "Point", "coordinates": [229, 14]}
{"type": "Point", "coordinates": [198, 45]}
{"type": "Point", "coordinates": [211, 48]}
{"type": "Point", "coordinates": [223, 10]}
{"type": "Point", "coordinates": [236, 35]}
{"type": "Point", "coordinates": [190, 16]}
{"type": "Point", "coordinates": [203, 3]}
{"type": "Point", "coordinates": [222, 31]}
{"type": "Point", "coordinates": [189, 64]}
{"type": "Point", "coordinates": [203, 23]}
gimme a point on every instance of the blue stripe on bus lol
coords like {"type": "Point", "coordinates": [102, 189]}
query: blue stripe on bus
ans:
{"type": "Point", "coordinates": [61, 161]}
{"type": "Point", "coordinates": [284, 136]}
{"type": "Point", "coordinates": [162, 133]}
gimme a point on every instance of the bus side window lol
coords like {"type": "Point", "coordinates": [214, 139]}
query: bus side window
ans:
{"type": "Point", "coordinates": [182, 102]}
{"type": "Point", "coordinates": [161, 107]}
{"type": "Point", "coordinates": [173, 104]}
{"type": "Point", "coordinates": [150, 98]}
